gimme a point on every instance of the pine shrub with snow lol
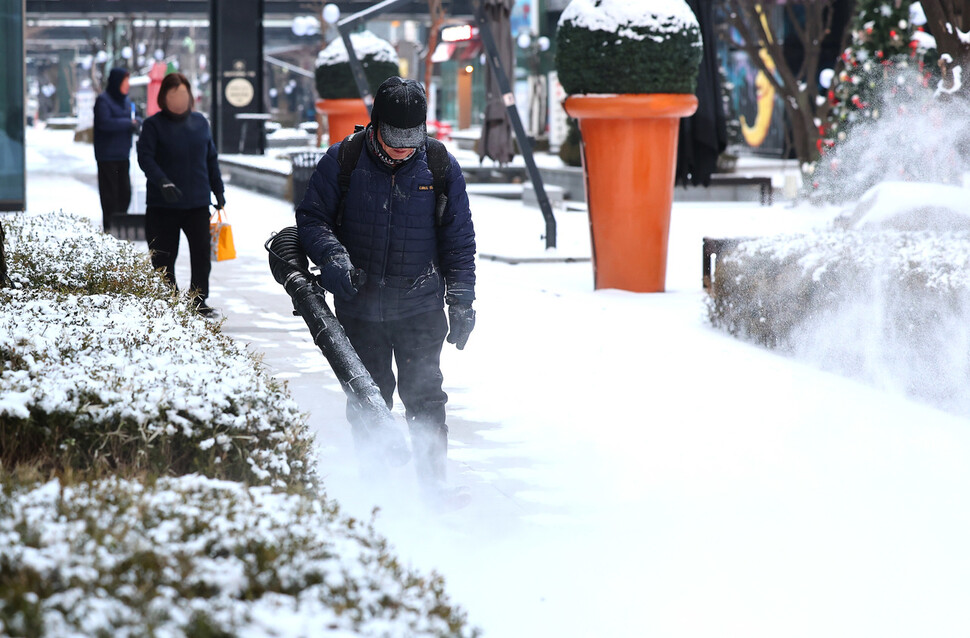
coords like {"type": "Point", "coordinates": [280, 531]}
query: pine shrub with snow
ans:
{"type": "Point", "coordinates": [334, 78]}
{"type": "Point", "coordinates": [628, 46]}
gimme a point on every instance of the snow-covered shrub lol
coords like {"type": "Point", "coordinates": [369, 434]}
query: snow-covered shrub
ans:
{"type": "Point", "coordinates": [628, 46]}
{"type": "Point", "coordinates": [143, 410]}
{"type": "Point", "coordinates": [66, 252]}
{"type": "Point", "coordinates": [193, 556]}
{"type": "Point", "coordinates": [333, 75]}
{"type": "Point", "coordinates": [138, 384]}
{"type": "Point", "coordinates": [103, 368]}
{"type": "Point", "coordinates": [888, 307]}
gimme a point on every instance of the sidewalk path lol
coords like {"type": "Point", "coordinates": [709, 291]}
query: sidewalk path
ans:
{"type": "Point", "coordinates": [634, 472]}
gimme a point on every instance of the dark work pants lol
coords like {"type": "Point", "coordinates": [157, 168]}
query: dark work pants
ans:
{"type": "Point", "coordinates": [162, 230]}
{"type": "Point", "coordinates": [415, 345]}
{"type": "Point", "coordinates": [114, 186]}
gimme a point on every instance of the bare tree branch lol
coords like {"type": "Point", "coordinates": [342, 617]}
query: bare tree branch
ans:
{"type": "Point", "coordinates": [798, 88]}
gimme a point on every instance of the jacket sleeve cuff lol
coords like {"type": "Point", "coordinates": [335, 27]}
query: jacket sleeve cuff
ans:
{"type": "Point", "coordinates": [460, 293]}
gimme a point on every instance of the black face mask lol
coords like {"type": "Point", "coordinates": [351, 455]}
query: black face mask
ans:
{"type": "Point", "coordinates": [375, 146]}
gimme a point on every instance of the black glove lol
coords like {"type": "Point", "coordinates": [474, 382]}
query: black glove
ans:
{"type": "Point", "coordinates": [135, 127]}
{"type": "Point", "coordinates": [220, 200]}
{"type": "Point", "coordinates": [171, 192]}
{"type": "Point", "coordinates": [461, 317]}
{"type": "Point", "coordinates": [336, 276]}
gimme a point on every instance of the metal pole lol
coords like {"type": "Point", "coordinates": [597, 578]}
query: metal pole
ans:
{"type": "Point", "coordinates": [292, 68]}
{"type": "Point", "coordinates": [525, 146]}
{"type": "Point", "coordinates": [371, 12]}
{"type": "Point", "coordinates": [356, 68]}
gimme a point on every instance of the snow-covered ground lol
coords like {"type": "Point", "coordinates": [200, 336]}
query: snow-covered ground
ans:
{"type": "Point", "coordinates": [635, 472]}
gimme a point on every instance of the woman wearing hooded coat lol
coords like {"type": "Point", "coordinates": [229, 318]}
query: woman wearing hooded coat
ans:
{"type": "Point", "coordinates": [114, 124]}
{"type": "Point", "coordinates": [178, 156]}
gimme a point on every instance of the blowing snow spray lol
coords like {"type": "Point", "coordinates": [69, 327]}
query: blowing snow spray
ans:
{"type": "Point", "coordinates": [379, 439]}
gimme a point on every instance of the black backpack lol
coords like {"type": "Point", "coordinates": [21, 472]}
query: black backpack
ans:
{"type": "Point", "coordinates": [438, 162]}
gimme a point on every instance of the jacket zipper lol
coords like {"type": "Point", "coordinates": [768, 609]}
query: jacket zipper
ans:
{"type": "Point", "coordinates": [387, 248]}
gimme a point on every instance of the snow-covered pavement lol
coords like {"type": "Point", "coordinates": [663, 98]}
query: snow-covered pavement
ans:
{"type": "Point", "coordinates": [634, 472]}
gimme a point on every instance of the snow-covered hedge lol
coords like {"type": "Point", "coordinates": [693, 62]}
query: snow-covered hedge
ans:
{"type": "Point", "coordinates": [138, 383]}
{"type": "Point", "coordinates": [334, 78]}
{"type": "Point", "coordinates": [101, 365]}
{"type": "Point", "coordinates": [188, 502]}
{"type": "Point", "coordinates": [888, 306]}
{"type": "Point", "coordinates": [66, 252]}
{"type": "Point", "coordinates": [628, 46]}
{"type": "Point", "coordinates": [192, 556]}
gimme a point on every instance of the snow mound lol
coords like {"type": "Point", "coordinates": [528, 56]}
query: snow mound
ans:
{"type": "Point", "coordinates": [911, 206]}
{"type": "Point", "coordinates": [618, 16]}
{"type": "Point", "coordinates": [365, 44]}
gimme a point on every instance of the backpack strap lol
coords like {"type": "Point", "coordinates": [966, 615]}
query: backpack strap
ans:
{"type": "Point", "coordinates": [347, 156]}
{"type": "Point", "coordinates": [440, 165]}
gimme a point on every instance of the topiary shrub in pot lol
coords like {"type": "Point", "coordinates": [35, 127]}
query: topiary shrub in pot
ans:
{"type": "Point", "coordinates": [339, 98]}
{"type": "Point", "coordinates": [630, 68]}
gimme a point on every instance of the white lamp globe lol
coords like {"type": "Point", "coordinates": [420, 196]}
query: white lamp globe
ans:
{"type": "Point", "coordinates": [331, 13]}
{"type": "Point", "coordinates": [825, 78]}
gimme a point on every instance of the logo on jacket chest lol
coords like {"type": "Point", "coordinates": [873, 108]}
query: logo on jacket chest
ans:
{"type": "Point", "coordinates": [425, 187]}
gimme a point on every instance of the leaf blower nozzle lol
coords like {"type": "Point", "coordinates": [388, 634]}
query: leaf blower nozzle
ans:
{"type": "Point", "coordinates": [379, 435]}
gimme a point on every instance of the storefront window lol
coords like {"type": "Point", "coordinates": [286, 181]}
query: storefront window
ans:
{"type": "Point", "coordinates": [12, 177]}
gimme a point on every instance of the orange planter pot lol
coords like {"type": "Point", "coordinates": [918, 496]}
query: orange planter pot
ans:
{"type": "Point", "coordinates": [342, 115]}
{"type": "Point", "coordinates": [630, 157]}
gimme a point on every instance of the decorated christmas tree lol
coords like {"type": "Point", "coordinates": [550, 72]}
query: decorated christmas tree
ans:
{"type": "Point", "coordinates": [889, 59]}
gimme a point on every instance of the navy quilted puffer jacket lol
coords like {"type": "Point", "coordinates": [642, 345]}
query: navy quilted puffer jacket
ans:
{"type": "Point", "coordinates": [388, 229]}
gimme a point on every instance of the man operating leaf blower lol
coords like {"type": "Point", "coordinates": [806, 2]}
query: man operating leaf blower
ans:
{"type": "Point", "coordinates": [386, 219]}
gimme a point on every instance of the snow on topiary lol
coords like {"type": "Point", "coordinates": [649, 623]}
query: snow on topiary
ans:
{"type": "Point", "coordinates": [193, 556]}
{"type": "Point", "coordinates": [628, 46]}
{"type": "Point", "coordinates": [334, 78]}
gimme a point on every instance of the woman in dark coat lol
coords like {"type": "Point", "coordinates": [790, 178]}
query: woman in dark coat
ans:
{"type": "Point", "coordinates": [114, 124]}
{"type": "Point", "coordinates": [179, 158]}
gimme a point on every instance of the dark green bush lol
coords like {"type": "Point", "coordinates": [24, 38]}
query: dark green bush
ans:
{"type": "Point", "coordinates": [571, 151]}
{"type": "Point", "coordinates": [334, 78]}
{"type": "Point", "coordinates": [337, 82]}
{"type": "Point", "coordinates": [594, 61]}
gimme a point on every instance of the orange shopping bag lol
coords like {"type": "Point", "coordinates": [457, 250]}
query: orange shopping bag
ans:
{"type": "Point", "coordinates": [220, 234]}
